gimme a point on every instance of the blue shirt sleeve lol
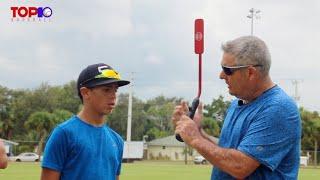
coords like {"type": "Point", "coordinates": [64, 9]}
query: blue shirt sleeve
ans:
{"type": "Point", "coordinates": [56, 150]}
{"type": "Point", "coordinates": [120, 157]}
{"type": "Point", "coordinates": [271, 134]}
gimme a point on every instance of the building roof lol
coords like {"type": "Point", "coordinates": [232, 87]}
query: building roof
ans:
{"type": "Point", "coordinates": [166, 141]}
{"type": "Point", "coordinates": [8, 142]}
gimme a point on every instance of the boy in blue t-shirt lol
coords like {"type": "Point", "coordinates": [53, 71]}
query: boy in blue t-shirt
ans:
{"type": "Point", "coordinates": [84, 147]}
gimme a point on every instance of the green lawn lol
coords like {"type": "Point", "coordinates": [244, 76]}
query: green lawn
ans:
{"type": "Point", "coordinates": [21, 170]}
{"type": "Point", "coordinates": [153, 170]}
{"type": "Point", "coordinates": [165, 170]}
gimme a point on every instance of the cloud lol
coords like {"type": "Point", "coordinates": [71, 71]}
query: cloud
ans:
{"type": "Point", "coordinates": [7, 65]}
{"type": "Point", "coordinates": [154, 39]}
{"type": "Point", "coordinates": [101, 18]}
{"type": "Point", "coordinates": [153, 59]}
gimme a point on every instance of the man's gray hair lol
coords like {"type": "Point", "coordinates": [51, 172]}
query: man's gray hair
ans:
{"type": "Point", "coordinates": [249, 50]}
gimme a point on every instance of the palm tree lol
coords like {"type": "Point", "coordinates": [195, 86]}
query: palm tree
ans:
{"type": "Point", "coordinates": [42, 123]}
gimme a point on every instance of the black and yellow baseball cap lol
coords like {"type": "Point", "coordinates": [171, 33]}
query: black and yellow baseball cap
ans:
{"type": "Point", "coordinates": [98, 75]}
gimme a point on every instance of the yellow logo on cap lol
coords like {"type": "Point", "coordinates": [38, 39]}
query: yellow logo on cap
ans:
{"type": "Point", "coordinates": [108, 73]}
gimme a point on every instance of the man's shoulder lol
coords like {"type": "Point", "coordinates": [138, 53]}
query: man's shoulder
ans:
{"type": "Point", "coordinates": [278, 97]}
{"type": "Point", "coordinates": [278, 105]}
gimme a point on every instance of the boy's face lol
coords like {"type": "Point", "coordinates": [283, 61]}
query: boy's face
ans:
{"type": "Point", "coordinates": [102, 99]}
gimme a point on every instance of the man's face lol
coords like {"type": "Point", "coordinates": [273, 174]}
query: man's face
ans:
{"type": "Point", "coordinates": [236, 81]}
{"type": "Point", "coordinates": [102, 99]}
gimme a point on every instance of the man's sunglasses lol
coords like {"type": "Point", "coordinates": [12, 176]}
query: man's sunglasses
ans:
{"type": "Point", "coordinates": [229, 70]}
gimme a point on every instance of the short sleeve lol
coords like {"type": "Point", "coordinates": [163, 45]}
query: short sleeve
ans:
{"type": "Point", "coordinates": [56, 150]}
{"type": "Point", "coordinates": [271, 135]}
{"type": "Point", "coordinates": [121, 144]}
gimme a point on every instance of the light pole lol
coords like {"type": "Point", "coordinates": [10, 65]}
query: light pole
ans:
{"type": "Point", "coordinates": [253, 14]}
{"type": "Point", "coordinates": [130, 110]}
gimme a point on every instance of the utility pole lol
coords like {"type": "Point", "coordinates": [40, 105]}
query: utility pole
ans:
{"type": "Point", "coordinates": [296, 96]}
{"type": "Point", "coordinates": [253, 14]}
{"type": "Point", "coordinates": [295, 82]}
{"type": "Point", "coordinates": [130, 109]}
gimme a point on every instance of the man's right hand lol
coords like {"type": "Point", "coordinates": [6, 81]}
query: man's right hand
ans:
{"type": "Point", "coordinates": [179, 111]}
{"type": "Point", "coordinates": [183, 109]}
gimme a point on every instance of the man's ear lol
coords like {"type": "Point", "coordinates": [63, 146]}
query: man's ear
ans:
{"type": "Point", "coordinates": [253, 73]}
{"type": "Point", "coordinates": [84, 91]}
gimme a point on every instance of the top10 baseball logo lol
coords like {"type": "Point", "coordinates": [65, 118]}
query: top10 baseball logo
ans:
{"type": "Point", "coordinates": [23, 13]}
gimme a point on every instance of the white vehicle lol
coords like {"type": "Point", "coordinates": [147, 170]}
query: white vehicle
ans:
{"type": "Point", "coordinates": [27, 157]}
{"type": "Point", "coordinates": [199, 160]}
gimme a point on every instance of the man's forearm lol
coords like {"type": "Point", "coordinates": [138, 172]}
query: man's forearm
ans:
{"type": "Point", "coordinates": [230, 161]}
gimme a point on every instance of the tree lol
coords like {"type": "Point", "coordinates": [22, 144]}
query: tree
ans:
{"type": "Point", "coordinates": [161, 115]}
{"type": "Point", "coordinates": [117, 120]}
{"type": "Point", "coordinates": [6, 117]}
{"type": "Point", "coordinates": [60, 115]}
{"type": "Point", "coordinates": [214, 114]}
{"type": "Point", "coordinates": [21, 109]}
{"type": "Point", "coordinates": [66, 97]}
{"type": "Point", "coordinates": [42, 122]}
{"type": "Point", "coordinates": [43, 98]}
{"type": "Point", "coordinates": [159, 111]}
{"type": "Point", "coordinates": [155, 133]}
{"type": "Point", "coordinates": [26, 102]}
{"type": "Point", "coordinates": [310, 130]}
{"type": "Point", "coordinates": [217, 109]}
{"type": "Point", "coordinates": [211, 126]}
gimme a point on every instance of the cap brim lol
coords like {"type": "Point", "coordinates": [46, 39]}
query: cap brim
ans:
{"type": "Point", "coordinates": [100, 82]}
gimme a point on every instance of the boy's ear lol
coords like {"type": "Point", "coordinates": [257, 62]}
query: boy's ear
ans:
{"type": "Point", "coordinates": [84, 91]}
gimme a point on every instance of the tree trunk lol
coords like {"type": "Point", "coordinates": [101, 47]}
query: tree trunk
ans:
{"type": "Point", "coordinates": [315, 152]}
{"type": "Point", "coordinates": [40, 146]}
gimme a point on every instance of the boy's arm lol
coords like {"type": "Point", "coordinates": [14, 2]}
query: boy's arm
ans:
{"type": "Point", "coordinates": [49, 174]}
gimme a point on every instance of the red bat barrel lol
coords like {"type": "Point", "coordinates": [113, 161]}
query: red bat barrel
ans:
{"type": "Point", "coordinates": [198, 36]}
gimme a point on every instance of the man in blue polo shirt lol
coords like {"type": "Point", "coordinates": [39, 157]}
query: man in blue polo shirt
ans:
{"type": "Point", "coordinates": [260, 137]}
{"type": "Point", "coordinates": [84, 147]}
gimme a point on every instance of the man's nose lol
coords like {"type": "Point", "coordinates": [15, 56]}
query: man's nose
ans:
{"type": "Point", "coordinates": [222, 75]}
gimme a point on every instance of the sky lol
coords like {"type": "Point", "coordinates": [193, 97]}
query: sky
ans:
{"type": "Point", "coordinates": [152, 41]}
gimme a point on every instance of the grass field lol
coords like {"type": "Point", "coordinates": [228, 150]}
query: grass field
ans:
{"type": "Point", "coordinates": [141, 170]}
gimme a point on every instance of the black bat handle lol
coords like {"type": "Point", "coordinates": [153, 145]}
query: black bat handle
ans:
{"type": "Point", "coordinates": [192, 111]}
{"type": "Point", "coordinates": [194, 106]}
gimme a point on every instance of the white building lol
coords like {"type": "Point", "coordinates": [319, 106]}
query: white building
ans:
{"type": "Point", "coordinates": [167, 148]}
{"type": "Point", "coordinates": [9, 146]}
